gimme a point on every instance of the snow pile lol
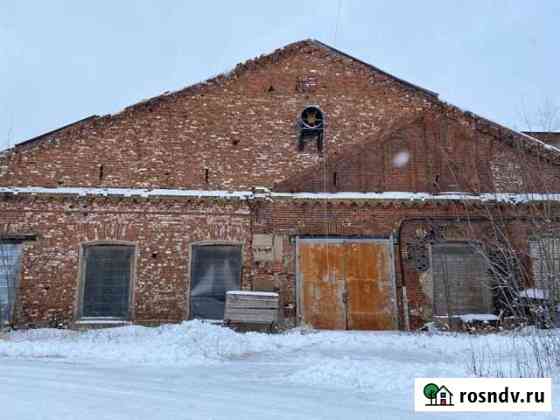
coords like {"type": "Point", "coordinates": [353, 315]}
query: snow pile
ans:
{"type": "Point", "coordinates": [370, 375]}
{"type": "Point", "coordinates": [534, 294]}
{"type": "Point", "coordinates": [188, 343]}
{"type": "Point", "coordinates": [341, 359]}
{"type": "Point", "coordinates": [378, 361]}
{"type": "Point", "coordinates": [137, 372]}
{"type": "Point", "coordinates": [218, 361]}
{"type": "Point", "coordinates": [468, 318]}
{"type": "Point", "coordinates": [197, 342]}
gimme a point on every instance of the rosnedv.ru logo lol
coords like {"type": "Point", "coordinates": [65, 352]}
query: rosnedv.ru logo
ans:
{"type": "Point", "coordinates": [438, 395]}
{"type": "Point", "coordinates": [482, 394]}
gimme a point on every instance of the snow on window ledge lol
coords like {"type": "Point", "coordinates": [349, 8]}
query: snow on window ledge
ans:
{"type": "Point", "coordinates": [84, 321]}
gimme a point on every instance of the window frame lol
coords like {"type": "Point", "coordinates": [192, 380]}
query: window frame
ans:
{"type": "Point", "coordinates": [78, 315]}
{"type": "Point", "coordinates": [188, 282]}
{"type": "Point", "coordinates": [17, 279]}
{"type": "Point", "coordinates": [537, 276]}
{"type": "Point", "coordinates": [472, 244]}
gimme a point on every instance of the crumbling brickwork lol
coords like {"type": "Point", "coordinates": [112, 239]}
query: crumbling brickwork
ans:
{"type": "Point", "coordinates": [161, 231]}
{"type": "Point", "coordinates": [237, 132]}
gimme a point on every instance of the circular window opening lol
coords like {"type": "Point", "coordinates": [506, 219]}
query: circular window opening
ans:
{"type": "Point", "coordinates": [312, 117]}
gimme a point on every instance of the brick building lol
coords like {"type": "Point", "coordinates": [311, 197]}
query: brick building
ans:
{"type": "Point", "coordinates": [304, 171]}
{"type": "Point", "coordinates": [549, 137]}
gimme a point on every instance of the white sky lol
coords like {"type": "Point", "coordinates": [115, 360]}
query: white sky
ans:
{"type": "Point", "coordinates": [61, 61]}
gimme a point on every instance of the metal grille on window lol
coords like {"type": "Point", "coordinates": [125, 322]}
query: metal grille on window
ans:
{"type": "Point", "coordinates": [10, 257]}
{"type": "Point", "coordinates": [545, 258]}
{"type": "Point", "coordinates": [107, 281]}
{"type": "Point", "coordinates": [215, 270]}
{"type": "Point", "coordinates": [461, 283]}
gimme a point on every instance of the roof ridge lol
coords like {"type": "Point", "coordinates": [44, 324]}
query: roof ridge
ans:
{"type": "Point", "coordinates": [375, 68]}
{"type": "Point", "coordinates": [56, 130]}
{"type": "Point", "coordinates": [273, 55]}
{"type": "Point", "coordinates": [226, 74]}
{"type": "Point", "coordinates": [521, 134]}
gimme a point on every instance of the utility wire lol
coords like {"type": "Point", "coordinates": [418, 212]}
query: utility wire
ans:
{"type": "Point", "coordinates": [337, 22]}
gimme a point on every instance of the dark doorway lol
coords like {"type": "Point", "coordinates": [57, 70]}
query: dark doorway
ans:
{"type": "Point", "coordinates": [215, 269]}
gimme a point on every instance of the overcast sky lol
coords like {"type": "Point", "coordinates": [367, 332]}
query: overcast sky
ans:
{"type": "Point", "coordinates": [61, 61]}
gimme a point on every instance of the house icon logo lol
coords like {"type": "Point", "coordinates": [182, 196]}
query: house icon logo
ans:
{"type": "Point", "coordinates": [438, 395]}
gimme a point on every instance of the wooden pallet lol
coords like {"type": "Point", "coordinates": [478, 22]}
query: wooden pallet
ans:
{"type": "Point", "coordinates": [244, 307]}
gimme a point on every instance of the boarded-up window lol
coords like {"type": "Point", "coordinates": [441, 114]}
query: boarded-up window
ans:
{"type": "Point", "coordinates": [10, 257]}
{"type": "Point", "coordinates": [545, 258]}
{"type": "Point", "coordinates": [461, 284]}
{"type": "Point", "coordinates": [107, 281]}
{"type": "Point", "coordinates": [215, 269]}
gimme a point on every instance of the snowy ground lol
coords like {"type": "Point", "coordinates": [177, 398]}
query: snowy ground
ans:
{"type": "Point", "coordinates": [201, 371]}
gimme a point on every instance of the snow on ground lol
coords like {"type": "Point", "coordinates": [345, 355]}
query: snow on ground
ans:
{"type": "Point", "coordinates": [196, 370]}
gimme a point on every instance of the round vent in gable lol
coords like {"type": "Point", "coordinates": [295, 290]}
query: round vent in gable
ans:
{"type": "Point", "coordinates": [312, 117]}
{"type": "Point", "coordinates": [311, 127]}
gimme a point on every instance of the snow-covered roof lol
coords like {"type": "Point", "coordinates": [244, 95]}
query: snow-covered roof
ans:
{"type": "Point", "coordinates": [541, 143]}
{"type": "Point", "coordinates": [127, 192]}
{"type": "Point", "coordinates": [261, 192]}
{"type": "Point", "coordinates": [525, 136]}
{"type": "Point", "coordinates": [423, 196]}
{"type": "Point", "coordinates": [251, 293]}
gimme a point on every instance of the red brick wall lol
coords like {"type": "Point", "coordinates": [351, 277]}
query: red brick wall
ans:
{"type": "Point", "coordinates": [401, 221]}
{"type": "Point", "coordinates": [550, 137]}
{"type": "Point", "coordinates": [242, 129]}
{"type": "Point", "coordinates": [161, 230]}
{"type": "Point", "coordinates": [415, 156]}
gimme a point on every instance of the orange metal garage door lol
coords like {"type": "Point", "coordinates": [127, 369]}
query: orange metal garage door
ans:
{"type": "Point", "coordinates": [346, 284]}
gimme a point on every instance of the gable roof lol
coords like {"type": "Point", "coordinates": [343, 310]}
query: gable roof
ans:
{"type": "Point", "coordinates": [532, 143]}
{"type": "Point", "coordinates": [549, 137]}
{"type": "Point", "coordinates": [56, 130]}
{"type": "Point", "coordinates": [377, 69]}
{"type": "Point", "coordinates": [444, 388]}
